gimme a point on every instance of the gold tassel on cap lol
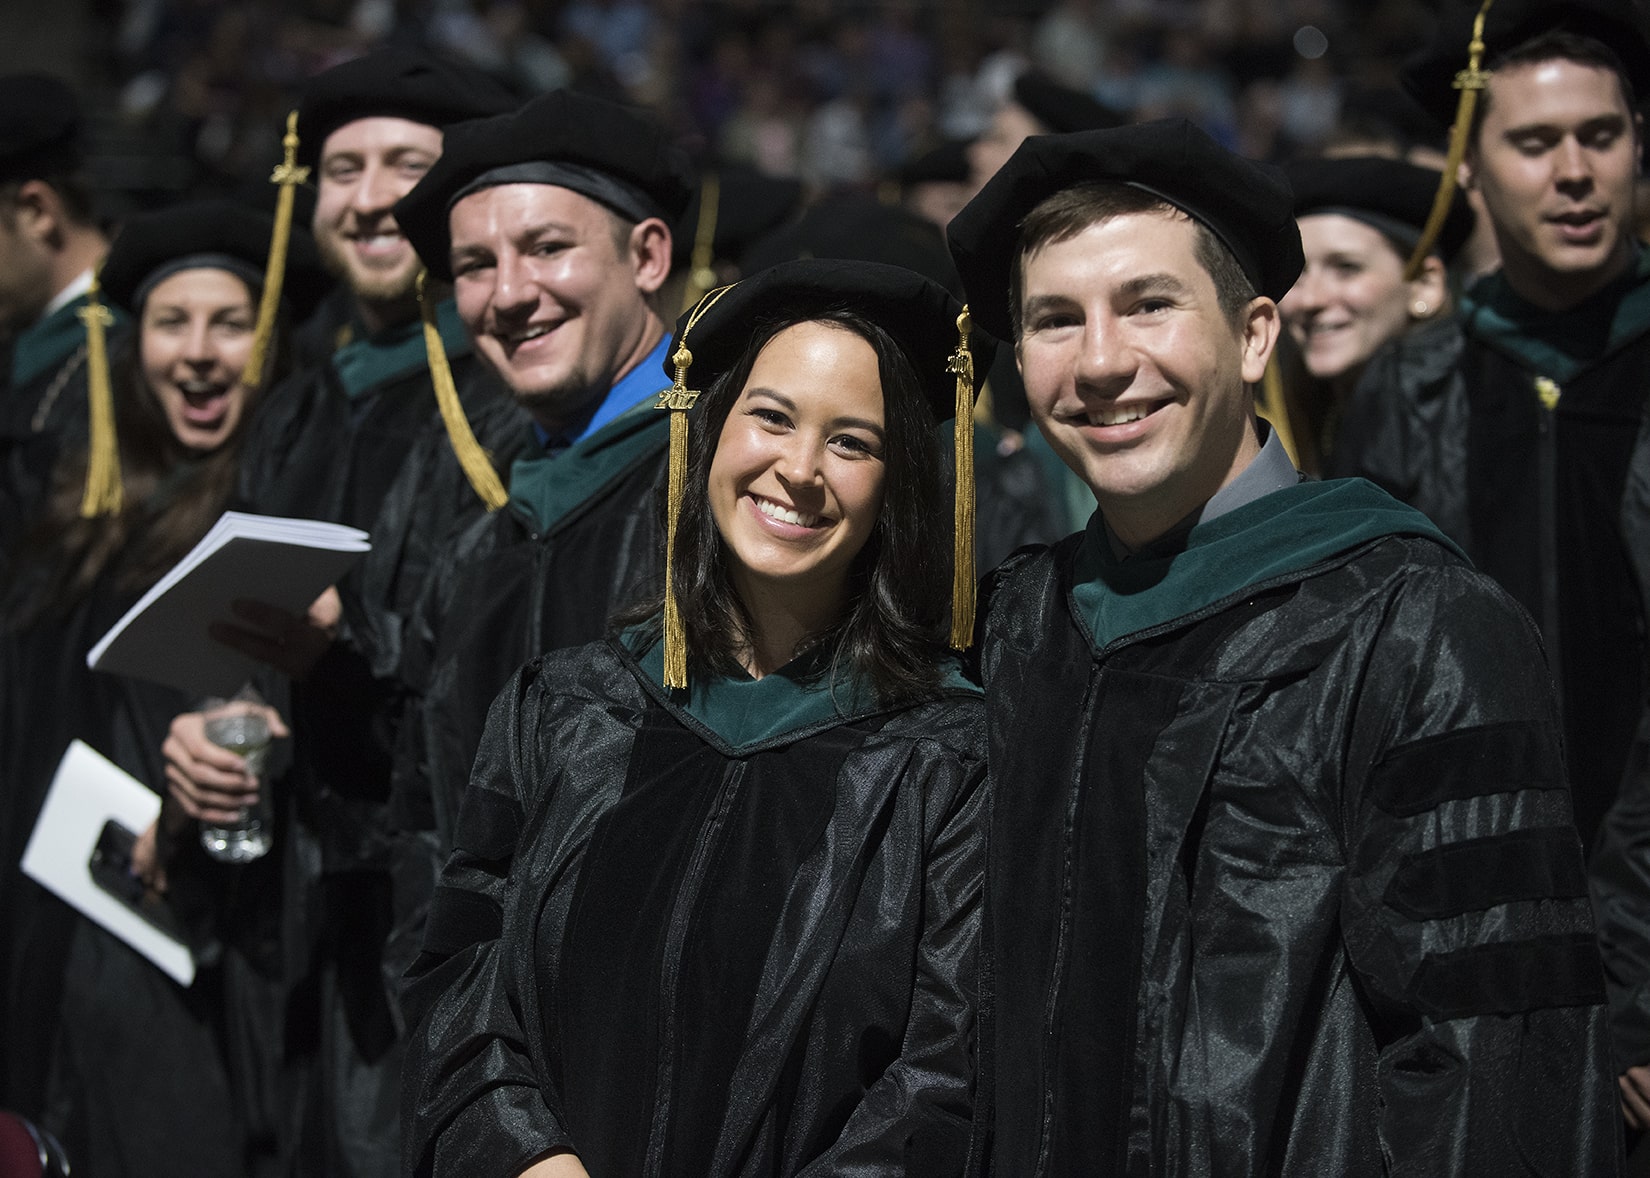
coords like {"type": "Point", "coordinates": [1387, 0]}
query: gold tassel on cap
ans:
{"type": "Point", "coordinates": [288, 175]}
{"type": "Point", "coordinates": [1469, 81]}
{"type": "Point", "coordinates": [1274, 407]}
{"type": "Point", "coordinates": [962, 563]}
{"type": "Point", "coordinates": [478, 467]}
{"type": "Point", "coordinates": [677, 400]}
{"type": "Point", "coordinates": [103, 492]}
{"type": "Point", "coordinates": [702, 275]}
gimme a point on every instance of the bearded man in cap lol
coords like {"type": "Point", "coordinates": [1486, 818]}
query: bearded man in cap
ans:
{"type": "Point", "coordinates": [50, 244]}
{"type": "Point", "coordinates": [358, 437]}
{"type": "Point", "coordinates": [1288, 883]}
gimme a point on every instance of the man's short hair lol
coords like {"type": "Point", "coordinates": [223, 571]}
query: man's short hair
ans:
{"type": "Point", "coordinates": [1557, 45]}
{"type": "Point", "coordinates": [1071, 210]}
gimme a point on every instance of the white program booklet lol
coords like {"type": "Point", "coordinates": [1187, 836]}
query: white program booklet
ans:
{"type": "Point", "coordinates": [88, 793]}
{"type": "Point", "coordinates": [283, 562]}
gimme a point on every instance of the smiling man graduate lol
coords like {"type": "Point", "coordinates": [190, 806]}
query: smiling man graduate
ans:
{"type": "Point", "coordinates": [553, 224]}
{"type": "Point", "coordinates": [1282, 878]}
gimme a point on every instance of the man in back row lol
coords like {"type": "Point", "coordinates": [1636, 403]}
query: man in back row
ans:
{"type": "Point", "coordinates": [1288, 883]}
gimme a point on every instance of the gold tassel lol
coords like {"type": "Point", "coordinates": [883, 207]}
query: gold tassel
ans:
{"type": "Point", "coordinates": [677, 400]}
{"type": "Point", "coordinates": [1469, 81]}
{"type": "Point", "coordinates": [702, 275]}
{"type": "Point", "coordinates": [103, 494]}
{"type": "Point", "coordinates": [478, 467]}
{"type": "Point", "coordinates": [288, 175]}
{"type": "Point", "coordinates": [962, 563]}
{"type": "Point", "coordinates": [1275, 408]}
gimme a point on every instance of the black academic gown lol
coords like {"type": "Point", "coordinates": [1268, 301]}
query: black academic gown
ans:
{"type": "Point", "coordinates": [1282, 875]}
{"type": "Point", "coordinates": [360, 441]}
{"type": "Point", "coordinates": [731, 933]}
{"type": "Point", "coordinates": [579, 541]}
{"type": "Point", "coordinates": [130, 1070]}
{"type": "Point", "coordinates": [1527, 450]}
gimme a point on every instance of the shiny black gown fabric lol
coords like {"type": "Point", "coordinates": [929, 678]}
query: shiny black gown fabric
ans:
{"type": "Point", "coordinates": [129, 1069]}
{"type": "Point", "coordinates": [1286, 886]}
{"type": "Point", "coordinates": [1405, 428]}
{"type": "Point", "coordinates": [372, 453]}
{"type": "Point", "coordinates": [514, 586]}
{"type": "Point", "coordinates": [680, 959]}
{"type": "Point", "coordinates": [1541, 499]}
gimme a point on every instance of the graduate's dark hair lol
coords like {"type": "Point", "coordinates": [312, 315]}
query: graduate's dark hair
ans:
{"type": "Point", "coordinates": [171, 497]}
{"type": "Point", "coordinates": [1559, 45]}
{"type": "Point", "coordinates": [891, 634]}
{"type": "Point", "coordinates": [1071, 210]}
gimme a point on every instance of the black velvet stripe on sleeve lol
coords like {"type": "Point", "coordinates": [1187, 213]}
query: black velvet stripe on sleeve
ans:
{"type": "Point", "coordinates": [1467, 763]}
{"type": "Point", "coordinates": [1510, 977]}
{"type": "Point", "coordinates": [1476, 874]}
{"type": "Point", "coordinates": [488, 825]}
{"type": "Point", "coordinates": [460, 918]}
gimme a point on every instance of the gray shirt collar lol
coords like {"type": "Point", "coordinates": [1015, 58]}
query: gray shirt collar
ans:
{"type": "Point", "coordinates": [1268, 471]}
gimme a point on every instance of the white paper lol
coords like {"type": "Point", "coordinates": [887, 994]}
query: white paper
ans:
{"type": "Point", "coordinates": [87, 791]}
{"type": "Point", "coordinates": [283, 562]}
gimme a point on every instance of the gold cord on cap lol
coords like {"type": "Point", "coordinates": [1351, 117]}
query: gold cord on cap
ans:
{"type": "Point", "coordinates": [961, 365]}
{"type": "Point", "coordinates": [702, 275]}
{"type": "Point", "coordinates": [103, 493]}
{"type": "Point", "coordinates": [287, 176]}
{"type": "Point", "coordinates": [1469, 82]}
{"type": "Point", "coordinates": [677, 400]}
{"type": "Point", "coordinates": [1274, 407]}
{"type": "Point", "coordinates": [478, 466]}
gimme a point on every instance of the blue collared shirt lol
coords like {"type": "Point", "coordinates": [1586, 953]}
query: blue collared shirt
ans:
{"type": "Point", "coordinates": [645, 380]}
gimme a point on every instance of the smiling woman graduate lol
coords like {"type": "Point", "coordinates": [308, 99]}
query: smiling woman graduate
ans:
{"type": "Point", "coordinates": [127, 1067]}
{"type": "Point", "coordinates": [730, 928]}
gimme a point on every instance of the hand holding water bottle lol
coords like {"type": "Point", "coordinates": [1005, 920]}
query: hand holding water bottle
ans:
{"type": "Point", "coordinates": [214, 762]}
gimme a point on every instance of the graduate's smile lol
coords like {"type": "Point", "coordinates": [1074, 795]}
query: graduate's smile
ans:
{"type": "Point", "coordinates": [786, 521]}
{"type": "Point", "coordinates": [379, 245]}
{"type": "Point", "coordinates": [365, 166]}
{"type": "Point", "coordinates": [795, 485]}
{"type": "Point", "coordinates": [1133, 370]}
{"type": "Point", "coordinates": [204, 402]}
{"type": "Point", "coordinates": [552, 300]}
{"type": "Point", "coordinates": [529, 339]}
{"type": "Point", "coordinates": [195, 337]}
{"type": "Point", "coordinates": [1118, 422]}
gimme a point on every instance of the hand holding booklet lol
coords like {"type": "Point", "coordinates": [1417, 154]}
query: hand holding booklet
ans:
{"type": "Point", "coordinates": [284, 562]}
{"type": "Point", "coordinates": [81, 850]}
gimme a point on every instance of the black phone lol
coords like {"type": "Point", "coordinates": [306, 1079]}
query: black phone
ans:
{"type": "Point", "coordinates": [111, 870]}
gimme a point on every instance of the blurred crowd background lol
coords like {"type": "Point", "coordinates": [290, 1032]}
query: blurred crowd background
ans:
{"type": "Point", "coordinates": [190, 95]}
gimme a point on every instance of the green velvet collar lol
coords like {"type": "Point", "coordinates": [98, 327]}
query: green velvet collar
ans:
{"type": "Point", "coordinates": [366, 364]}
{"type": "Point", "coordinates": [546, 490]}
{"type": "Point", "coordinates": [48, 343]}
{"type": "Point", "coordinates": [1269, 540]}
{"type": "Point", "coordinates": [1561, 345]}
{"type": "Point", "coordinates": [746, 715]}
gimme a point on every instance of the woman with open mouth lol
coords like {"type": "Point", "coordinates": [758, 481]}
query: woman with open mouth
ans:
{"type": "Point", "coordinates": [130, 1067]}
{"type": "Point", "coordinates": [714, 903]}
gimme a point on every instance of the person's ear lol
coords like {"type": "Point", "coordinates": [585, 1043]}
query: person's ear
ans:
{"type": "Point", "coordinates": [1428, 291]}
{"type": "Point", "coordinates": [650, 245]}
{"type": "Point", "coordinates": [37, 211]}
{"type": "Point", "coordinates": [1258, 335]}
